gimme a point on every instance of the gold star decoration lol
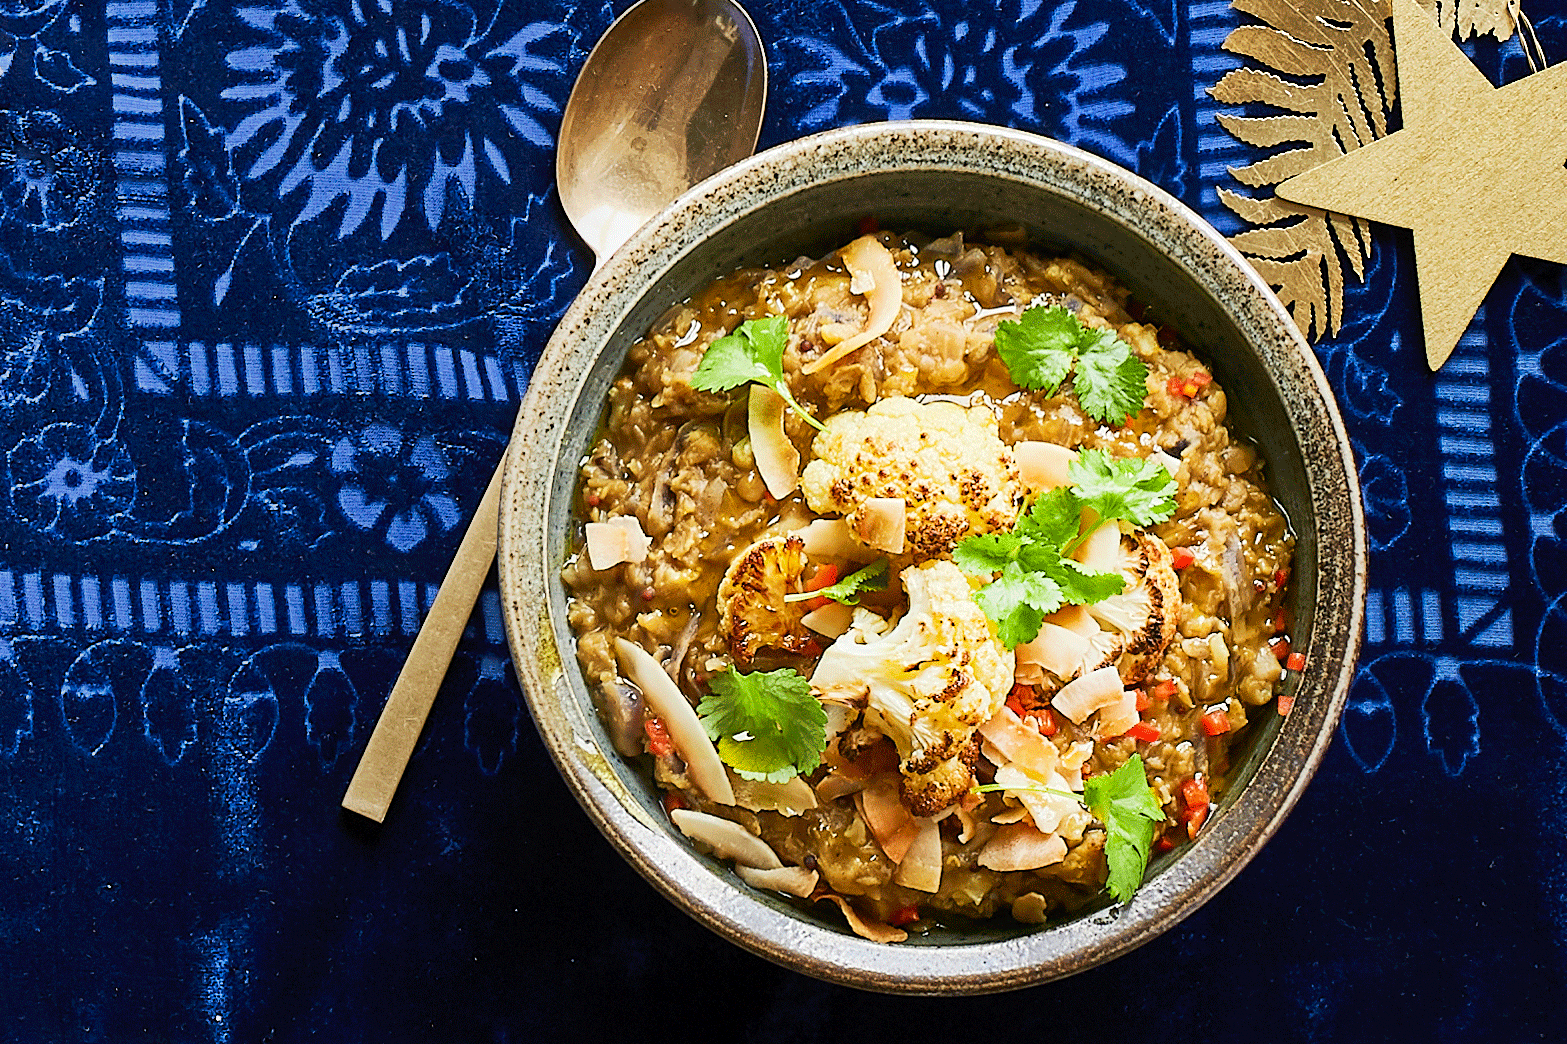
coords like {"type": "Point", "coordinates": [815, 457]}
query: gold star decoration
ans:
{"type": "Point", "coordinates": [1476, 172]}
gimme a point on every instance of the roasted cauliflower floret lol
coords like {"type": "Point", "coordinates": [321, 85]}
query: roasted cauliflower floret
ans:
{"type": "Point", "coordinates": [946, 463]}
{"type": "Point", "coordinates": [927, 683]}
{"type": "Point", "coordinates": [752, 613]}
{"type": "Point", "coordinates": [1148, 608]}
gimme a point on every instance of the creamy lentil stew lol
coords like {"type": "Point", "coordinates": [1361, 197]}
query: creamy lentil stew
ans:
{"type": "Point", "coordinates": [683, 465]}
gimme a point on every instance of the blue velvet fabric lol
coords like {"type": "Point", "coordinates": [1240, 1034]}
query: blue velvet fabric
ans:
{"type": "Point", "coordinates": [252, 379]}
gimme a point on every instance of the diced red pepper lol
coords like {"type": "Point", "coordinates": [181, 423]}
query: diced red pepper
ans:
{"type": "Point", "coordinates": [1016, 697]}
{"type": "Point", "coordinates": [1165, 689]}
{"type": "Point", "coordinates": [658, 741]}
{"type": "Point", "coordinates": [1281, 648]}
{"type": "Point", "coordinates": [672, 800]}
{"type": "Point", "coordinates": [1144, 701]}
{"type": "Point", "coordinates": [1281, 621]}
{"type": "Point", "coordinates": [1187, 387]}
{"type": "Point", "coordinates": [909, 913]}
{"type": "Point", "coordinates": [825, 576]}
{"type": "Point", "coordinates": [1194, 796]}
{"type": "Point", "coordinates": [1164, 844]}
{"type": "Point", "coordinates": [1199, 816]}
{"type": "Point", "coordinates": [1181, 557]}
{"type": "Point", "coordinates": [1047, 722]}
{"type": "Point", "coordinates": [1144, 732]}
{"type": "Point", "coordinates": [1280, 577]}
{"type": "Point", "coordinates": [593, 499]}
{"type": "Point", "coordinates": [1296, 662]}
{"type": "Point", "coordinates": [1286, 703]}
{"type": "Point", "coordinates": [1215, 723]}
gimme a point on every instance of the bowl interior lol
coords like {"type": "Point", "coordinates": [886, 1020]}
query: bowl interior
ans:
{"type": "Point", "coordinates": [770, 211]}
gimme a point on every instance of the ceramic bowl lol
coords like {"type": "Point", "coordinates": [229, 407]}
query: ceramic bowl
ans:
{"type": "Point", "coordinates": [803, 199]}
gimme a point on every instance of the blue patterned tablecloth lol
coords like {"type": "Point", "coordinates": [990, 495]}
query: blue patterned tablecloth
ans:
{"type": "Point", "coordinates": [253, 373]}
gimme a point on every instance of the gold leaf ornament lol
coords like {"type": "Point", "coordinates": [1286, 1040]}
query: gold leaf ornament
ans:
{"type": "Point", "coordinates": [1327, 68]}
{"type": "Point", "coordinates": [1329, 72]}
{"type": "Point", "coordinates": [1476, 171]}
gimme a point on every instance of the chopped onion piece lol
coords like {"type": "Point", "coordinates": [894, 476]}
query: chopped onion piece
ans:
{"type": "Point", "coordinates": [777, 460]}
{"type": "Point", "coordinates": [875, 275]}
{"type": "Point", "coordinates": [685, 728]}
{"type": "Point", "coordinates": [727, 839]}
{"type": "Point", "coordinates": [791, 880]}
{"type": "Point", "coordinates": [1080, 698]}
{"type": "Point", "coordinates": [1042, 465]}
{"type": "Point", "coordinates": [1021, 846]}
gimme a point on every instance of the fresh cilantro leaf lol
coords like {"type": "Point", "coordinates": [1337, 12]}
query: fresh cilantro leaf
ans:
{"type": "Point", "coordinates": [1054, 518]}
{"type": "Point", "coordinates": [1139, 490]}
{"type": "Point", "coordinates": [847, 591]}
{"type": "Point", "coordinates": [1034, 560]}
{"type": "Point", "coordinates": [753, 354]}
{"type": "Point", "coordinates": [1044, 344]}
{"type": "Point", "coordinates": [987, 552]}
{"type": "Point", "coordinates": [767, 726]}
{"type": "Point", "coordinates": [1124, 802]}
{"type": "Point", "coordinates": [1018, 602]}
{"type": "Point", "coordinates": [1111, 384]}
{"type": "Point", "coordinates": [1039, 347]}
{"type": "Point", "coordinates": [872, 578]}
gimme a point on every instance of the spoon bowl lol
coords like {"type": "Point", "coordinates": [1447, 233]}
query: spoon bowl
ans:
{"type": "Point", "coordinates": [671, 95]}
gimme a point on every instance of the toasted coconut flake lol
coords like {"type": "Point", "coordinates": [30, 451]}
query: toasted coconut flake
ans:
{"type": "Point", "coordinates": [1101, 552]}
{"type": "Point", "coordinates": [1119, 716]}
{"type": "Point", "coordinates": [874, 274]}
{"type": "Point", "coordinates": [1021, 846]}
{"type": "Point", "coordinates": [883, 522]}
{"type": "Point", "coordinates": [884, 812]}
{"type": "Point", "coordinates": [1020, 744]}
{"type": "Point", "coordinates": [618, 540]}
{"type": "Point", "coordinates": [685, 729]}
{"type": "Point", "coordinates": [791, 880]}
{"type": "Point", "coordinates": [875, 931]}
{"type": "Point", "coordinates": [777, 460]}
{"type": "Point", "coordinates": [1056, 649]}
{"type": "Point", "coordinates": [920, 868]}
{"type": "Point", "coordinates": [832, 619]}
{"type": "Point", "coordinates": [1043, 465]}
{"type": "Point", "coordinates": [789, 799]}
{"type": "Point", "coordinates": [1096, 689]}
{"type": "Point", "coordinates": [1046, 809]}
{"type": "Point", "coordinates": [835, 785]}
{"type": "Point", "coordinates": [727, 839]}
{"type": "Point", "coordinates": [1076, 619]}
{"type": "Point", "coordinates": [1010, 814]}
{"type": "Point", "coordinates": [832, 538]}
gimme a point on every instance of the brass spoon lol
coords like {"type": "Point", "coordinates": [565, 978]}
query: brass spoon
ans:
{"type": "Point", "coordinates": [672, 93]}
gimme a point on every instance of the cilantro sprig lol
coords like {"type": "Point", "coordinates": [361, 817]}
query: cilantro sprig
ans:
{"type": "Point", "coordinates": [847, 591]}
{"type": "Point", "coordinates": [753, 354]}
{"type": "Point", "coordinates": [1127, 806]}
{"type": "Point", "coordinates": [1035, 571]}
{"type": "Point", "coordinates": [767, 725]}
{"type": "Point", "coordinates": [1124, 802]}
{"type": "Point", "coordinates": [1046, 344]}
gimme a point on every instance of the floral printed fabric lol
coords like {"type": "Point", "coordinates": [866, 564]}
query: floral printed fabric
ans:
{"type": "Point", "coordinates": [273, 274]}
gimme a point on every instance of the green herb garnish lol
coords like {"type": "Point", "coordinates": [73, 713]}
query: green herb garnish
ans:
{"type": "Point", "coordinates": [1043, 345]}
{"type": "Point", "coordinates": [1124, 802]}
{"type": "Point", "coordinates": [847, 591]}
{"type": "Point", "coordinates": [767, 726]}
{"type": "Point", "coordinates": [1037, 575]}
{"type": "Point", "coordinates": [753, 354]}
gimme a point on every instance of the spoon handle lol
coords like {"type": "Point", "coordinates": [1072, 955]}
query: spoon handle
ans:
{"type": "Point", "coordinates": [397, 731]}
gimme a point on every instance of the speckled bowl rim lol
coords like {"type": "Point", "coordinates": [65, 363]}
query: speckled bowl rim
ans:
{"type": "Point", "coordinates": [556, 693]}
